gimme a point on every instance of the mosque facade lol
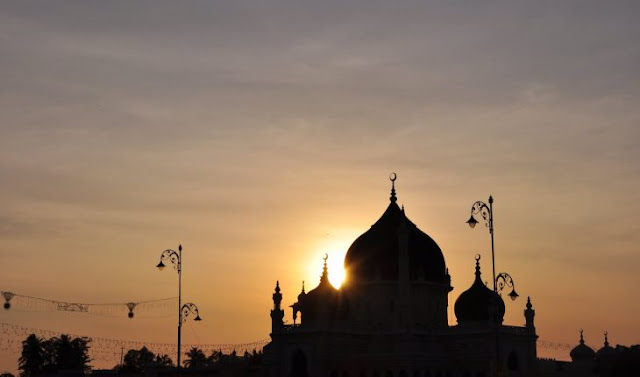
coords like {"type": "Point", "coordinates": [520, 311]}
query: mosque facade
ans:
{"type": "Point", "coordinates": [389, 319]}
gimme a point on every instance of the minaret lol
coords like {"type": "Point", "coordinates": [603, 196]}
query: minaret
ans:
{"type": "Point", "coordinates": [277, 314]}
{"type": "Point", "coordinates": [529, 314]}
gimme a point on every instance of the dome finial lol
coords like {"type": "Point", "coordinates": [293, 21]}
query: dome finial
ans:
{"type": "Point", "coordinates": [581, 337]}
{"type": "Point", "coordinates": [325, 271]}
{"type": "Point", "coordinates": [392, 178]}
{"type": "Point", "coordinates": [606, 339]}
{"type": "Point", "coordinates": [478, 266]}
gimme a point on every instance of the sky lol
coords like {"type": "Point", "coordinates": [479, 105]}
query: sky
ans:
{"type": "Point", "coordinates": [261, 134]}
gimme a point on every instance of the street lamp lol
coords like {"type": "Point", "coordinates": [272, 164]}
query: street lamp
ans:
{"type": "Point", "coordinates": [190, 309]}
{"type": "Point", "coordinates": [175, 257]}
{"type": "Point", "coordinates": [487, 214]}
{"type": "Point", "coordinates": [504, 280]}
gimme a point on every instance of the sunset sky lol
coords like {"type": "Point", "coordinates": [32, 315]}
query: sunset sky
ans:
{"type": "Point", "coordinates": [261, 134]}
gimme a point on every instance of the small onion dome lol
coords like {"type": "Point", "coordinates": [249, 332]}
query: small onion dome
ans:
{"type": "Point", "coordinates": [302, 294]}
{"type": "Point", "coordinates": [606, 350]}
{"type": "Point", "coordinates": [582, 352]}
{"type": "Point", "coordinates": [324, 301]}
{"type": "Point", "coordinates": [479, 303]}
{"type": "Point", "coordinates": [375, 254]}
{"type": "Point", "coordinates": [323, 289]}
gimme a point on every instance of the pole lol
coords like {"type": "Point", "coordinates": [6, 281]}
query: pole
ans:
{"type": "Point", "coordinates": [493, 258]}
{"type": "Point", "coordinates": [179, 303]}
{"type": "Point", "coordinates": [495, 307]}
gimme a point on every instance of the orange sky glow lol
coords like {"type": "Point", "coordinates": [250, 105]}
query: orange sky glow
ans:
{"type": "Point", "coordinates": [261, 136]}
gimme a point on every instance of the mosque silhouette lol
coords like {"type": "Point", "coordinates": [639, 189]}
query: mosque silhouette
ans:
{"type": "Point", "coordinates": [389, 319]}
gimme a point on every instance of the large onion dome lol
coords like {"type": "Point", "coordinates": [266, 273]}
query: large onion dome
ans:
{"type": "Point", "coordinates": [375, 254]}
{"type": "Point", "coordinates": [479, 303]}
{"type": "Point", "coordinates": [582, 352]}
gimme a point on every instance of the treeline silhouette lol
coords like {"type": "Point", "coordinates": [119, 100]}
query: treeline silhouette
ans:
{"type": "Point", "coordinates": [64, 354]}
{"type": "Point", "coordinates": [50, 356]}
{"type": "Point", "coordinates": [139, 361]}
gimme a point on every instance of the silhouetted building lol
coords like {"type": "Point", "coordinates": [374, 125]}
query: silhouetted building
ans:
{"type": "Point", "coordinates": [608, 361]}
{"type": "Point", "coordinates": [389, 319]}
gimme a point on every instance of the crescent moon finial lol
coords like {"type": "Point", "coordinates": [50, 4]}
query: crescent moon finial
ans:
{"type": "Point", "coordinates": [326, 256]}
{"type": "Point", "coordinates": [477, 257]}
{"type": "Point", "coordinates": [392, 178]}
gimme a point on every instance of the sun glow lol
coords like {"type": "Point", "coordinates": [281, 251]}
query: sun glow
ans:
{"type": "Point", "coordinates": [335, 264]}
{"type": "Point", "coordinates": [335, 247]}
{"type": "Point", "coordinates": [335, 251]}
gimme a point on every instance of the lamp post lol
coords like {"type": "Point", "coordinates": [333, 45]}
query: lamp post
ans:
{"type": "Point", "coordinates": [175, 257]}
{"type": "Point", "coordinates": [503, 279]}
{"type": "Point", "coordinates": [487, 214]}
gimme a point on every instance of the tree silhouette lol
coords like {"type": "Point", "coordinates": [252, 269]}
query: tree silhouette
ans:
{"type": "Point", "coordinates": [215, 357]}
{"type": "Point", "coordinates": [163, 361]}
{"type": "Point", "coordinates": [32, 359]}
{"type": "Point", "coordinates": [138, 361]}
{"type": "Point", "coordinates": [196, 358]}
{"type": "Point", "coordinates": [253, 358]}
{"type": "Point", "coordinates": [70, 354]}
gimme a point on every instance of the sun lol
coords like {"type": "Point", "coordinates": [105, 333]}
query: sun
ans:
{"type": "Point", "coordinates": [335, 250]}
{"type": "Point", "coordinates": [335, 264]}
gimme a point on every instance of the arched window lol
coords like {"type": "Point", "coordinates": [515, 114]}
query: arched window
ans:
{"type": "Point", "coordinates": [299, 365]}
{"type": "Point", "coordinates": [512, 361]}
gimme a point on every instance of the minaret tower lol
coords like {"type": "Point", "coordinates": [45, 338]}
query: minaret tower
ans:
{"type": "Point", "coordinates": [529, 314]}
{"type": "Point", "coordinates": [277, 314]}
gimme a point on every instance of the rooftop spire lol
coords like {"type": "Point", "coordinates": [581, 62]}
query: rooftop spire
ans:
{"type": "Point", "coordinates": [392, 178]}
{"type": "Point", "coordinates": [477, 266]}
{"type": "Point", "coordinates": [606, 339]}
{"type": "Point", "coordinates": [581, 337]}
{"type": "Point", "coordinates": [324, 278]}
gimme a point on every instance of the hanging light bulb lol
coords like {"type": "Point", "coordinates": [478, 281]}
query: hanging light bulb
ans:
{"type": "Point", "coordinates": [7, 297]}
{"type": "Point", "coordinates": [131, 306]}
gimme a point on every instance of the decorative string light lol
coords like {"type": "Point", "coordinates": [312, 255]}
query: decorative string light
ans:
{"type": "Point", "coordinates": [547, 344]}
{"type": "Point", "coordinates": [18, 302]}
